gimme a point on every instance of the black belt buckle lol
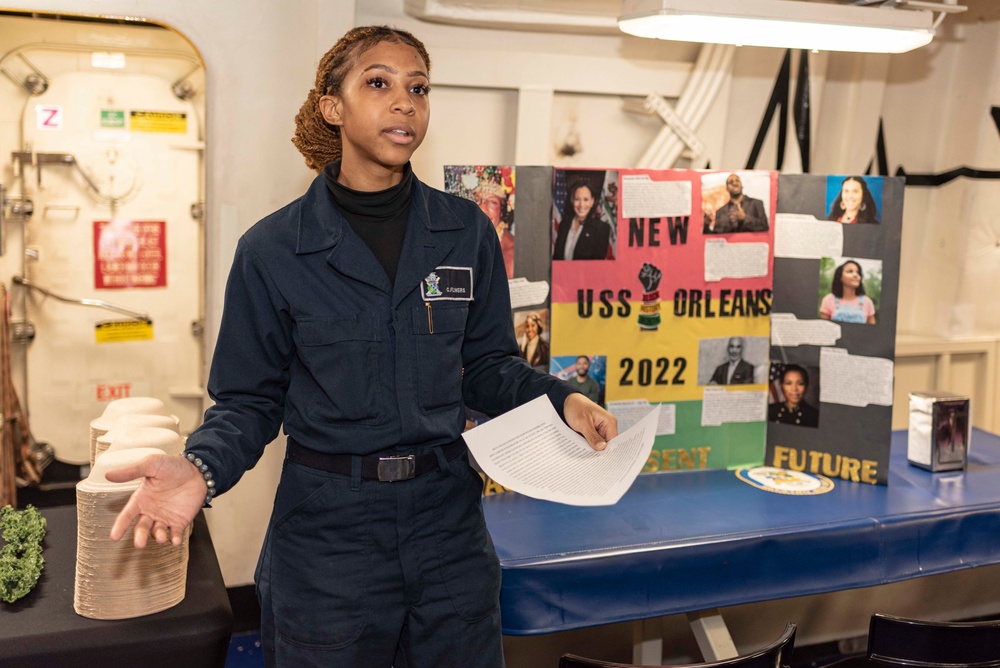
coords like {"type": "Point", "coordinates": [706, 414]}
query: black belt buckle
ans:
{"type": "Point", "coordinates": [394, 469]}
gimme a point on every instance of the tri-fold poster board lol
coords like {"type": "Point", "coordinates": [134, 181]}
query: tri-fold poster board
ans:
{"type": "Point", "coordinates": [758, 309]}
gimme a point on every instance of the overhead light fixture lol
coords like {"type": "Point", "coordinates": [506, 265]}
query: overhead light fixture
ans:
{"type": "Point", "coordinates": [795, 24]}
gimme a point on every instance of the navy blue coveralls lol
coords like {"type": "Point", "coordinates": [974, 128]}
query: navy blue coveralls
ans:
{"type": "Point", "coordinates": [314, 337]}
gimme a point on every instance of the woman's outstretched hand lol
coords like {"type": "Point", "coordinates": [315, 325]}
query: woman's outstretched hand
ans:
{"type": "Point", "coordinates": [591, 421]}
{"type": "Point", "coordinates": [171, 493]}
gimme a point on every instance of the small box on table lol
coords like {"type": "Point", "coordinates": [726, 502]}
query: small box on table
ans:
{"type": "Point", "coordinates": [940, 425]}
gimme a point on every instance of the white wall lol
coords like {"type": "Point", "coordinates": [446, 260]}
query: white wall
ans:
{"type": "Point", "coordinates": [937, 117]}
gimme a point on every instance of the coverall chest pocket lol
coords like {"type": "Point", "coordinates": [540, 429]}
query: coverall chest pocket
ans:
{"type": "Point", "coordinates": [342, 356]}
{"type": "Point", "coordinates": [439, 330]}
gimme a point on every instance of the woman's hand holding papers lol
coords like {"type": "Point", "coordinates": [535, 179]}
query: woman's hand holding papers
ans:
{"type": "Point", "coordinates": [589, 420]}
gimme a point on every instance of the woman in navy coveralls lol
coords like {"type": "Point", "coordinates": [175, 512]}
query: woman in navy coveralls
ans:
{"type": "Point", "coordinates": [364, 317]}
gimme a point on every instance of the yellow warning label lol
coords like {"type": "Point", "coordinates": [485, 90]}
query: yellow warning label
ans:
{"type": "Point", "coordinates": [113, 331]}
{"type": "Point", "coordinates": [158, 121]}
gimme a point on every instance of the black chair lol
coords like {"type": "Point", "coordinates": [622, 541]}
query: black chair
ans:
{"type": "Point", "coordinates": [912, 643]}
{"type": "Point", "coordinates": [776, 655]}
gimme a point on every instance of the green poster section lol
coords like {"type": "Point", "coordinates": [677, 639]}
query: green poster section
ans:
{"type": "Point", "coordinates": [693, 446]}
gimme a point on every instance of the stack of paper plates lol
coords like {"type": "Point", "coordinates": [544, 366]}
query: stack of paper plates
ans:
{"type": "Point", "coordinates": [116, 580]}
{"type": "Point", "coordinates": [133, 421]}
{"type": "Point", "coordinates": [119, 407]}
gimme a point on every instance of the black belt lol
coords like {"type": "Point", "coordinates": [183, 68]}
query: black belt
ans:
{"type": "Point", "coordinates": [387, 468]}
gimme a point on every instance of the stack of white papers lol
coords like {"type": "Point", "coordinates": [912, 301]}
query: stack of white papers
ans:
{"type": "Point", "coordinates": [531, 450]}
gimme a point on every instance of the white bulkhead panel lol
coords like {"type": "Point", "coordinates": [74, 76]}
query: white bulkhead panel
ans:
{"type": "Point", "coordinates": [113, 222]}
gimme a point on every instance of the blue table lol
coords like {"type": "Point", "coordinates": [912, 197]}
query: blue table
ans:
{"type": "Point", "coordinates": [698, 540]}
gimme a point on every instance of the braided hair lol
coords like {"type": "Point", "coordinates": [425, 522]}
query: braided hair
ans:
{"type": "Point", "coordinates": [318, 141]}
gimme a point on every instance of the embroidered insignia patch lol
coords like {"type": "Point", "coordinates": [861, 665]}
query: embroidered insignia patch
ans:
{"type": "Point", "coordinates": [447, 284]}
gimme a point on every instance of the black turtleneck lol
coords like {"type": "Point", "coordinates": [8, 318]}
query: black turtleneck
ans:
{"type": "Point", "coordinates": [379, 218]}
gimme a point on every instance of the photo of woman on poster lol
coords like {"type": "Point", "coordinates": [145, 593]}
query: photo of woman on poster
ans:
{"type": "Point", "coordinates": [586, 236]}
{"type": "Point", "coordinates": [853, 201]}
{"type": "Point", "coordinates": [530, 343]}
{"type": "Point", "coordinates": [491, 187]}
{"type": "Point", "coordinates": [583, 228]}
{"type": "Point", "coordinates": [790, 383]}
{"type": "Point", "coordinates": [847, 299]}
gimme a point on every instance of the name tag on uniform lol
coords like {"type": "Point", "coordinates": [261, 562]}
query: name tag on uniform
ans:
{"type": "Point", "coordinates": [447, 283]}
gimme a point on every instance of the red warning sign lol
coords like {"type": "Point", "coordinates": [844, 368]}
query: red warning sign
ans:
{"type": "Point", "coordinates": [130, 254]}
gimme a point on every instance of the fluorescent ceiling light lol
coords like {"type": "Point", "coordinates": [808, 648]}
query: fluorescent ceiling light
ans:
{"type": "Point", "coordinates": [794, 24]}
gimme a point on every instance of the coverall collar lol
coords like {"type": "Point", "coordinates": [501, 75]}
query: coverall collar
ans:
{"type": "Point", "coordinates": [425, 246]}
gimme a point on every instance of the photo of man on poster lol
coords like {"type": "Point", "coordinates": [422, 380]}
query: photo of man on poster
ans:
{"type": "Point", "coordinates": [734, 210]}
{"type": "Point", "coordinates": [583, 382]}
{"type": "Point", "coordinates": [733, 360]}
{"type": "Point", "coordinates": [735, 370]}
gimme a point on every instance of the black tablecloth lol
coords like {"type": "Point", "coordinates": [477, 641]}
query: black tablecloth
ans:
{"type": "Point", "coordinates": [43, 630]}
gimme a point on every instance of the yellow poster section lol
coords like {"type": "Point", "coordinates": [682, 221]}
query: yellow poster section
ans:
{"type": "Point", "coordinates": [659, 365]}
